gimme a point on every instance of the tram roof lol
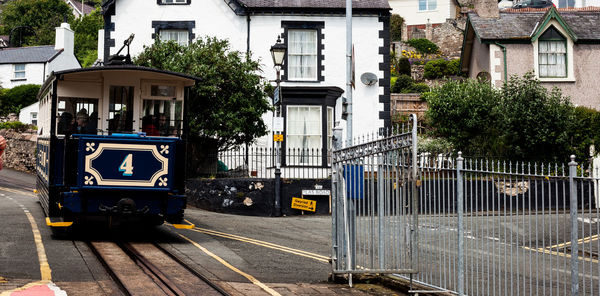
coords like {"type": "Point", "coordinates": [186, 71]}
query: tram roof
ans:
{"type": "Point", "coordinates": [103, 69]}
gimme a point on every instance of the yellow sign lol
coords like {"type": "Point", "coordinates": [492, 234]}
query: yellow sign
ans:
{"type": "Point", "coordinates": [278, 138]}
{"type": "Point", "coordinates": [304, 204]}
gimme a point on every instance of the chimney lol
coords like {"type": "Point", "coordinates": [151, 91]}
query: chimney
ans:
{"type": "Point", "coordinates": [487, 8]}
{"type": "Point", "coordinates": [65, 39]}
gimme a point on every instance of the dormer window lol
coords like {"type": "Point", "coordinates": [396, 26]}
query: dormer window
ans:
{"type": "Point", "coordinates": [552, 54]}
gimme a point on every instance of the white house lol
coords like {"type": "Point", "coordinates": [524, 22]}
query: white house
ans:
{"type": "Point", "coordinates": [31, 65]}
{"type": "Point", "coordinates": [315, 68]}
{"type": "Point", "coordinates": [421, 12]}
{"type": "Point", "coordinates": [29, 114]}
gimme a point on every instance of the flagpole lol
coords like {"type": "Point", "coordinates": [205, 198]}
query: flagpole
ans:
{"type": "Point", "coordinates": [349, 71]}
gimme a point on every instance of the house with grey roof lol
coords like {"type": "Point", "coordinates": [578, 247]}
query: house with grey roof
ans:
{"type": "Point", "coordinates": [31, 65]}
{"type": "Point", "coordinates": [314, 69]}
{"type": "Point", "coordinates": [560, 46]}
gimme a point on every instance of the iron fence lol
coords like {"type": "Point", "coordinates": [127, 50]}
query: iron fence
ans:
{"type": "Point", "coordinates": [259, 162]}
{"type": "Point", "coordinates": [481, 227]}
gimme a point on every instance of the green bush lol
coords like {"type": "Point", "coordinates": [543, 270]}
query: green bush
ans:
{"type": "Point", "coordinates": [402, 82]}
{"type": "Point", "coordinates": [521, 121]}
{"type": "Point", "coordinates": [404, 66]}
{"type": "Point", "coordinates": [465, 113]}
{"type": "Point", "coordinates": [419, 88]}
{"type": "Point", "coordinates": [453, 67]}
{"type": "Point", "coordinates": [441, 68]}
{"type": "Point", "coordinates": [13, 99]}
{"type": "Point", "coordinates": [584, 131]}
{"type": "Point", "coordinates": [14, 125]}
{"type": "Point", "coordinates": [435, 69]}
{"type": "Point", "coordinates": [422, 45]}
{"type": "Point", "coordinates": [396, 22]}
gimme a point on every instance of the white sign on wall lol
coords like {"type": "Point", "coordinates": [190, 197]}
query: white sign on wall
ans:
{"type": "Point", "coordinates": [278, 124]}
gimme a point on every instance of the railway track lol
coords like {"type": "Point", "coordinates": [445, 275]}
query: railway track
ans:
{"type": "Point", "coordinates": [149, 269]}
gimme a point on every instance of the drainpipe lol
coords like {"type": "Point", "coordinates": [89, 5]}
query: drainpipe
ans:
{"type": "Point", "coordinates": [504, 54]}
{"type": "Point", "coordinates": [248, 36]}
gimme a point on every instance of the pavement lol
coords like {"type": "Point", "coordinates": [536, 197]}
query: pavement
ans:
{"type": "Point", "coordinates": [246, 255]}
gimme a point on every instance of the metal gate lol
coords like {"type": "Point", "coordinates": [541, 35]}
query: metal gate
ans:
{"type": "Point", "coordinates": [375, 203]}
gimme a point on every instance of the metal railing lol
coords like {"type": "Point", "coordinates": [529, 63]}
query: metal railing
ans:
{"type": "Point", "coordinates": [259, 162]}
{"type": "Point", "coordinates": [483, 227]}
{"type": "Point", "coordinates": [504, 228]}
{"type": "Point", "coordinates": [374, 212]}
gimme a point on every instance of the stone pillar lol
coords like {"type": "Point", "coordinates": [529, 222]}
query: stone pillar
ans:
{"type": "Point", "coordinates": [404, 32]}
{"type": "Point", "coordinates": [428, 31]}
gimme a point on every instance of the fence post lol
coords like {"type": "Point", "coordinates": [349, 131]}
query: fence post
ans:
{"type": "Point", "coordinates": [459, 208]}
{"type": "Point", "coordinates": [574, 236]}
{"type": "Point", "coordinates": [336, 193]}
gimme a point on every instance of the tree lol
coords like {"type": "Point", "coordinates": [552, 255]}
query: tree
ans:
{"type": "Point", "coordinates": [230, 96]}
{"type": "Point", "coordinates": [86, 37]}
{"type": "Point", "coordinates": [396, 22]}
{"type": "Point", "coordinates": [13, 99]}
{"type": "Point", "coordinates": [42, 16]}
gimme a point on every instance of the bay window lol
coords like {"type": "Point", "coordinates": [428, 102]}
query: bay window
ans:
{"type": "Point", "coordinates": [304, 135]}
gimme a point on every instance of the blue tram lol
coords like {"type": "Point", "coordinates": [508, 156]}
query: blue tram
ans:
{"type": "Point", "coordinates": [111, 145]}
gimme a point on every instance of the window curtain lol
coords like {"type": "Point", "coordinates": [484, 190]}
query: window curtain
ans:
{"type": "Point", "coordinates": [552, 59]}
{"type": "Point", "coordinates": [302, 54]}
{"type": "Point", "coordinates": [179, 36]}
{"type": "Point", "coordinates": [304, 135]}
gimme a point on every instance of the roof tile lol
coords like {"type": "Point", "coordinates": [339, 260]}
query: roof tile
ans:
{"type": "Point", "coordinates": [33, 54]}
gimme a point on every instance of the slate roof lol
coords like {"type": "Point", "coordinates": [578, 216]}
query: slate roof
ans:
{"type": "Point", "coordinates": [520, 25]}
{"type": "Point", "coordinates": [33, 54]}
{"type": "Point", "coordinates": [358, 4]}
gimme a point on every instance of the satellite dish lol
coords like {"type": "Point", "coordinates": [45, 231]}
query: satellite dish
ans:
{"type": "Point", "coordinates": [368, 78]}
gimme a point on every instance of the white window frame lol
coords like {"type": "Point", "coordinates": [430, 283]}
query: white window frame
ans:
{"type": "Point", "coordinates": [427, 5]}
{"type": "Point", "coordinates": [293, 159]}
{"type": "Point", "coordinates": [570, 70]}
{"type": "Point", "coordinates": [179, 32]}
{"type": "Point", "coordinates": [174, 2]}
{"type": "Point", "coordinates": [290, 52]}
{"type": "Point", "coordinates": [23, 71]}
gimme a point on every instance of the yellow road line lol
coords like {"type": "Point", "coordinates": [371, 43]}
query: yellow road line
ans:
{"type": "Point", "coordinates": [549, 252]}
{"type": "Point", "coordinates": [17, 191]}
{"type": "Point", "coordinates": [264, 244]}
{"type": "Point", "coordinates": [41, 251]}
{"type": "Point", "coordinates": [45, 271]}
{"type": "Point", "coordinates": [581, 240]}
{"type": "Point", "coordinates": [222, 261]}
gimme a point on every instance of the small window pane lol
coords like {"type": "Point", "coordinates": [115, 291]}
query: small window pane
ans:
{"type": "Point", "coordinates": [162, 90]}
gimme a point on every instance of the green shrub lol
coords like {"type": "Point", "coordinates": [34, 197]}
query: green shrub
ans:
{"type": "Point", "coordinates": [464, 113]}
{"type": "Point", "coordinates": [419, 88]}
{"type": "Point", "coordinates": [423, 46]}
{"type": "Point", "coordinates": [402, 82]}
{"type": "Point", "coordinates": [393, 80]}
{"type": "Point", "coordinates": [404, 66]}
{"type": "Point", "coordinates": [396, 22]}
{"type": "Point", "coordinates": [441, 68]}
{"type": "Point", "coordinates": [453, 67]}
{"type": "Point", "coordinates": [435, 69]}
{"type": "Point", "coordinates": [523, 120]}
{"type": "Point", "coordinates": [13, 99]}
{"type": "Point", "coordinates": [14, 125]}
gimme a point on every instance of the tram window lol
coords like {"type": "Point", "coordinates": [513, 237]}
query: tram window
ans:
{"type": "Point", "coordinates": [77, 116]}
{"type": "Point", "coordinates": [120, 109]}
{"type": "Point", "coordinates": [162, 117]}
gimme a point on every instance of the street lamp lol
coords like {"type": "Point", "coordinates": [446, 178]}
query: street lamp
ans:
{"type": "Point", "coordinates": [278, 54]}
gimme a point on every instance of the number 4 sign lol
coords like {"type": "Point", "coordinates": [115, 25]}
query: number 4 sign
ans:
{"type": "Point", "coordinates": [127, 165]}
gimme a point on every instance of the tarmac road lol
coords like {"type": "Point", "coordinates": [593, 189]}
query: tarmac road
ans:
{"type": "Point", "coordinates": [288, 256]}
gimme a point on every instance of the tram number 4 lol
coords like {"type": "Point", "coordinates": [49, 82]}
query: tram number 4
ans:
{"type": "Point", "coordinates": [127, 165]}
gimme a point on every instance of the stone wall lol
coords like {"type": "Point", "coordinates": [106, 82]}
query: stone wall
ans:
{"type": "Point", "coordinates": [253, 196]}
{"type": "Point", "coordinates": [20, 150]}
{"type": "Point", "coordinates": [448, 36]}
